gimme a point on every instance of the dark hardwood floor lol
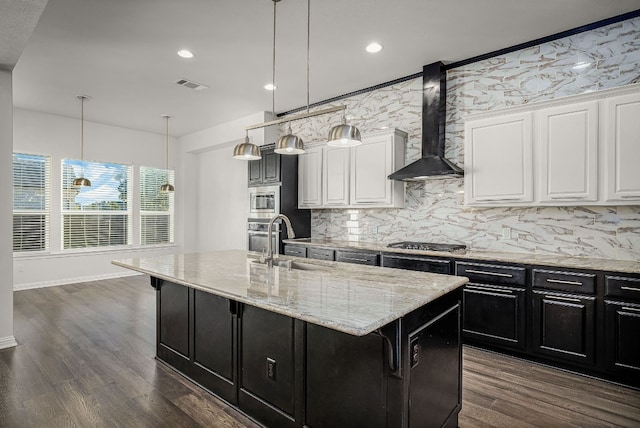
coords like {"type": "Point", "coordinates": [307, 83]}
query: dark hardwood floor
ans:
{"type": "Point", "coordinates": [85, 359]}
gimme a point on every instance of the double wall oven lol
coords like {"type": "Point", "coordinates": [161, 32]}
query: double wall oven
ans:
{"type": "Point", "coordinates": [264, 203]}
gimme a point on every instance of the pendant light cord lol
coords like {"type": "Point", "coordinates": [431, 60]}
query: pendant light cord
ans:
{"type": "Point", "coordinates": [308, 38]}
{"type": "Point", "coordinates": [167, 146]}
{"type": "Point", "coordinates": [82, 129]}
{"type": "Point", "coordinates": [273, 70]}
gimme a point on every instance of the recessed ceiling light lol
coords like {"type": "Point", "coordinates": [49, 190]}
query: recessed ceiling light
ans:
{"type": "Point", "coordinates": [374, 47]}
{"type": "Point", "coordinates": [185, 53]}
{"type": "Point", "coordinates": [270, 87]}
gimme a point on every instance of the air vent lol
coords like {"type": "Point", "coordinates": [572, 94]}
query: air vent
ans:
{"type": "Point", "coordinates": [192, 85]}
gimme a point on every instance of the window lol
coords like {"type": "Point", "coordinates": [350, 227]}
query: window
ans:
{"type": "Point", "coordinates": [100, 215]}
{"type": "Point", "coordinates": [156, 208]}
{"type": "Point", "coordinates": [31, 202]}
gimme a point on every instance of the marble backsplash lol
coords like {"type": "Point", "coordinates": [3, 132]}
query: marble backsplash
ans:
{"type": "Point", "coordinates": [599, 59]}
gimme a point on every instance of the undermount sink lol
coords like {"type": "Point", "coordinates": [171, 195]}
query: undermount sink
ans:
{"type": "Point", "coordinates": [298, 265]}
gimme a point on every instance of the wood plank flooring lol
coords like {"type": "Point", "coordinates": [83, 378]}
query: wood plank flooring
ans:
{"type": "Point", "coordinates": [85, 359]}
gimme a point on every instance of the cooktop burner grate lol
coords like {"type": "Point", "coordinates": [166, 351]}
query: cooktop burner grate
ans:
{"type": "Point", "coordinates": [427, 246]}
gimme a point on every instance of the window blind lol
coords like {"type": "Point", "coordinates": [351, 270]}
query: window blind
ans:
{"type": "Point", "coordinates": [156, 208]}
{"type": "Point", "coordinates": [31, 202]}
{"type": "Point", "coordinates": [100, 215]}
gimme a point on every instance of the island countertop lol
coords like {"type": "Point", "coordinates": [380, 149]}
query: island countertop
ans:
{"type": "Point", "coordinates": [350, 298]}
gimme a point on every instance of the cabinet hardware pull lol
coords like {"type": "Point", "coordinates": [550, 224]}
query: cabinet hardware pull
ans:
{"type": "Point", "coordinates": [559, 281]}
{"type": "Point", "coordinates": [626, 308]}
{"type": "Point", "coordinates": [567, 197]}
{"type": "Point", "coordinates": [355, 259]}
{"type": "Point", "coordinates": [499, 199]}
{"type": "Point", "coordinates": [561, 298]}
{"type": "Point", "coordinates": [482, 272]}
{"type": "Point", "coordinates": [629, 288]}
{"type": "Point", "coordinates": [630, 196]}
{"type": "Point", "coordinates": [497, 290]}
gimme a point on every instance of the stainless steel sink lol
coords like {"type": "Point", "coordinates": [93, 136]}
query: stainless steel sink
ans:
{"type": "Point", "coordinates": [297, 265]}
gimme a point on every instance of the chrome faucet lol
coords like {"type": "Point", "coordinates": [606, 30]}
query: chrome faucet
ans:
{"type": "Point", "coordinates": [290, 234]}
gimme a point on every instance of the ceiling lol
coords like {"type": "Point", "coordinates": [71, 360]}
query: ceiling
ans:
{"type": "Point", "coordinates": [123, 52]}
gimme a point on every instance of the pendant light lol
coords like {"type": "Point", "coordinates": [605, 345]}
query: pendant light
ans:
{"type": "Point", "coordinates": [344, 135]}
{"type": "Point", "coordinates": [292, 144]}
{"type": "Point", "coordinates": [82, 181]}
{"type": "Point", "coordinates": [167, 187]}
{"type": "Point", "coordinates": [246, 150]}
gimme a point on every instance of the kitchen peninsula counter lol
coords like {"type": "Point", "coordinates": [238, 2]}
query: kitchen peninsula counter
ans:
{"type": "Point", "coordinates": [315, 344]}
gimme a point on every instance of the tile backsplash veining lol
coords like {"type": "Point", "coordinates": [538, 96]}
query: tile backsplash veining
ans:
{"type": "Point", "coordinates": [599, 59]}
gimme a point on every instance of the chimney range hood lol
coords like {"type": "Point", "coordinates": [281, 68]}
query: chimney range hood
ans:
{"type": "Point", "coordinates": [433, 164]}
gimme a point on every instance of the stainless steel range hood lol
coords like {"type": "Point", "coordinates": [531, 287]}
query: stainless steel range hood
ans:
{"type": "Point", "coordinates": [433, 164]}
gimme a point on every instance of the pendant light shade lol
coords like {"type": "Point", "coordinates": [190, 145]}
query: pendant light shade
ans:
{"type": "Point", "coordinates": [82, 181]}
{"type": "Point", "coordinates": [167, 187]}
{"type": "Point", "coordinates": [344, 135]}
{"type": "Point", "coordinates": [289, 144]}
{"type": "Point", "coordinates": [246, 150]}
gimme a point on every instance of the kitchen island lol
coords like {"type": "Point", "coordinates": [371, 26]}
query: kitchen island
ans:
{"type": "Point", "coordinates": [312, 343]}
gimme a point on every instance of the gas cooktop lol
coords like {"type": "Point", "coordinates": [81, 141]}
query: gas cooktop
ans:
{"type": "Point", "coordinates": [427, 246]}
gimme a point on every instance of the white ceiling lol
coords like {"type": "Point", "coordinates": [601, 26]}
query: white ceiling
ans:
{"type": "Point", "coordinates": [123, 52]}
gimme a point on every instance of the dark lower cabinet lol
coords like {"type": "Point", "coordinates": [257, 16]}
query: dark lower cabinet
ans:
{"type": "Point", "coordinates": [622, 347]}
{"type": "Point", "coordinates": [271, 377]}
{"type": "Point", "coordinates": [173, 325]}
{"type": "Point", "coordinates": [346, 387]}
{"type": "Point", "coordinates": [563, 326]}
{"type": "Point", "coordinates": [495, 315]}
{"type": "Point", "coordinates": [284, 372]}
{"type": "Point", "coordinates": [435, 360]}
{"type": "Point", "coordinates": [214, 332]}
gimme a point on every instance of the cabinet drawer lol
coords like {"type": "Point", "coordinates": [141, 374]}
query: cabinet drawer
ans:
{"type": "Point", "coordinates": [295, 250]}
{"type": "Point", "coordinates": [320, 253]}
{"type": "Point", "coordinates": [565, 281]}
{"type": "Point", "coordinates": [620, 286]}
{"type": "Point", "coordinates": [357, 257]}
{"type": "Point", "coordinates": [495, 274]}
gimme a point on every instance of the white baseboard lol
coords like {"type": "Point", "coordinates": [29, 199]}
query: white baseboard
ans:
{"type": "Point", "coordinates": [64, 281]}
{"type": "Point", "coordinates": [8, 342]}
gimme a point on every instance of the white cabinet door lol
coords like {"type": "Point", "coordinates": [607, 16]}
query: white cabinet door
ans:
{"type": "Point", "coordinates": [621, 149]}
{"type": "Point", "coordinates": [567, 141]}
{"type": "Point", "coordinates": [499, 160]}
{"type": "Point", "coordinates": [310, 178]}
{"type": "Point", "coordinates": [371, 162]}
{"type": "Point", "coordinates": [335, 176]}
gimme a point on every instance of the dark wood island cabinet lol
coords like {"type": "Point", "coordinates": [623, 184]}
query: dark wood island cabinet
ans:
{"type": "Point", "coordinates": [323, 344]}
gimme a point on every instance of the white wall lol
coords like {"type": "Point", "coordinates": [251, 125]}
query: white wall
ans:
{"type": "Point", "coordinates": [6, 194]}
{"type": "Point", "coordinates": [59, 137]}
{"type": "Point", "coordinates": [215, 206]}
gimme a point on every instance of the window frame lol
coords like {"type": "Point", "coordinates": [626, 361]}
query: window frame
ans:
{"type": "Point", "coordinates": [142, 213]}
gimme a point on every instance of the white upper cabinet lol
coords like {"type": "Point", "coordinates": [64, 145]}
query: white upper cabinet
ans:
{"type": "Point", "coordinates": [310, 178]}
{"type": "Point", "coordinates": [621, 148]}
{"type": "Point", "coordinates": [371, 163]}
{"type": "Point", "coordinates": [578, 150]}
{"type": "Point", "coordinates": [335, 177]}
{"type": "Point", "coordinates": [499, 160]}
{"type": "Point", "coordinates": [567, 140]}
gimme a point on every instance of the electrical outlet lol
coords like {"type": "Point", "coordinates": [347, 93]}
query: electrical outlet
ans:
{"type": "Point", "coordinates": [506, 233]}
{"type": "Point", "coordinates": [271, 368]}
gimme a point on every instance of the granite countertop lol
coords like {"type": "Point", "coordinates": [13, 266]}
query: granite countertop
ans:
{"type": "Point", "coordinates": [350, 298]}
{"type": "Point", "coordinates": [625, 266]}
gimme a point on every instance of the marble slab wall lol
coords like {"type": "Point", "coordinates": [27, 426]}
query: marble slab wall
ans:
{"type": "Point", "coordinates": [599, 59]}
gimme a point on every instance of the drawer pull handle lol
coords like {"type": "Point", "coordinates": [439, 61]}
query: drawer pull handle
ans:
{"type": "Point", "coordinates": [482, 272]}
{"type": "Point", "coordinates": [568, 299]}
{"type": "Point", "coordinates": [356, 259]}
{"type": "Point", "coordinates": [630, 288]}
{"type": "Point", "coordinates": [497, 290]}
{"type": "Point", "coordinates": [567, 197]}
{"type": "Point", "coordinates": [626, 308]}
{"type": "Point", "coordinates": [559, 281]}
{"type": "Point", "coordinates": [630, 196]}
{"type": "Point", "coordinates": [499, 199]}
